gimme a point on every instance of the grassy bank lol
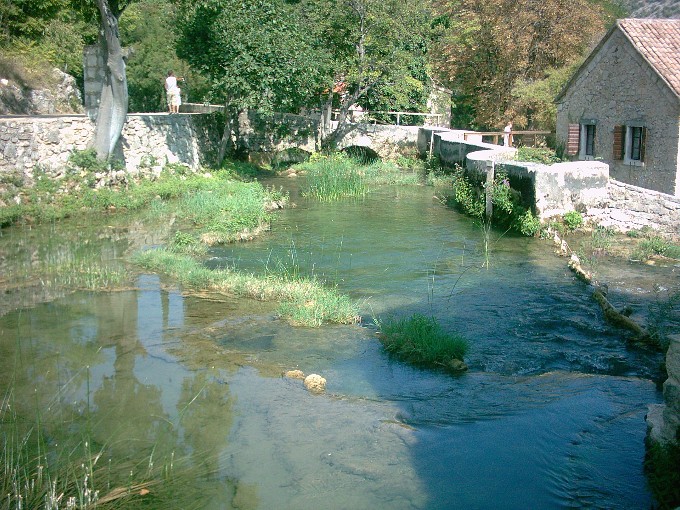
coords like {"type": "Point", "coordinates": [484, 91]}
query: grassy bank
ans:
{"type": "Point", "coordinates": [77, 193]}
{"type": "Point", "coordinates": [304, 302]}
{"type": "Point", "coordinates": [421, 340]}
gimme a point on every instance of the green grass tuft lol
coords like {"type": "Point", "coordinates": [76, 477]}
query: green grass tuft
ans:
{"type": "Point", "coordinates": [420, 340]}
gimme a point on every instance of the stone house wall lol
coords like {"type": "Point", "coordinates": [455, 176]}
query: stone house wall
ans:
{"type": "Point", "coordinates": [149, 140]}
{"type": "Point", "coordinates": [618, 87]}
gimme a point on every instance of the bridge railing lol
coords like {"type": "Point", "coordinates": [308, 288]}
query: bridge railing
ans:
{"type": "Point", "coordinates": [368, 116]}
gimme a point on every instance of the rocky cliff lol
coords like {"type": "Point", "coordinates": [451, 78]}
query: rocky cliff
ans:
{"type": "Point", "coordinates": [56, 92]}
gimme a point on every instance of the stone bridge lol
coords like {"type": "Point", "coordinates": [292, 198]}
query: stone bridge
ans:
{"type": "Point", "coordinates": [279, 137]}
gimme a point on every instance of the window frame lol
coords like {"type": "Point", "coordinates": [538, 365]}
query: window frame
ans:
{"type": "Point", "coordinates": [629, 148]}
{"type": "Point", "coordinates": [587, 135]}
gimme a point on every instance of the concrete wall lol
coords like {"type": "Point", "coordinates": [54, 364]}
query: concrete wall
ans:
{"type": "Point", "coordinates": [618, 87]}
{"type": "Point", "coordinates": [27, 143]}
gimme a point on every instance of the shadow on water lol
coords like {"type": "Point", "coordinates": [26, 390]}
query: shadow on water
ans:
{"type": "Point", "coordinates": [550, 414]}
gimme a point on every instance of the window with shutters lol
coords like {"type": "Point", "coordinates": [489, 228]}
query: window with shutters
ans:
{"type": "Point", "coordinates": [634, 145]}
{"type": "Point", "coordinates": [587, 142]}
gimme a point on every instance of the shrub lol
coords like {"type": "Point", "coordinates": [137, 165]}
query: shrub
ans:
{"type": "Point", "coordinates": [527, 224]}
{"type": "Point", "coordinates": [537, 155]}
{"type": "Point", "coordinates": [420, 340]}
{"type": "Point", "coordinates": [573, 220]}
{"type": "Point", "coordinates": [508, 211]}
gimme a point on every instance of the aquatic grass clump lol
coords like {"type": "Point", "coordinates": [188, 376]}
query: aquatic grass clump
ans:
{"type": "Point", "coordinates": [420, 340]}
{"type": "Point", "coordinates": [228, 210]}
{"type": "Point", "coordinates": [333, 177]}
{"type": "Point", "coordinates": [303, 301]}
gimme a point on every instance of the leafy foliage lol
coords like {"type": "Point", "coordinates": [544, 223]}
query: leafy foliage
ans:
{"type": "Point", "coordinates": [147, 27]}
{"type": "Point", "coordinates": [508, 211]}
{"type": "Point", "coordinates": [488, 47]}
{"type": "Point", "coordinates": [257, 54]}
{"type": "Point", "coordinates": [573, 220]}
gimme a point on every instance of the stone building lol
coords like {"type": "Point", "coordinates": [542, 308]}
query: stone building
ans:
{"type": "Point", "coordinates": [622, 106]}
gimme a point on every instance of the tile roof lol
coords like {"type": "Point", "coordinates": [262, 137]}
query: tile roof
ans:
{"type": "Point", "coordinates": [658, 41]}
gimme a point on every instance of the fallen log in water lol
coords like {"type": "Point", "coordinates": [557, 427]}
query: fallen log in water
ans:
{"type": "Point", "coordinates": [611, 314]}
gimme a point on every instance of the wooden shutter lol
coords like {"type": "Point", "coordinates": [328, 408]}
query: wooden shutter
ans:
{"type": "Point", "coordinates": [643, 143]}
{"type": "Point", "coordinates": [573, 135]}
{"type": "Point", "coordinates": [619, 142]}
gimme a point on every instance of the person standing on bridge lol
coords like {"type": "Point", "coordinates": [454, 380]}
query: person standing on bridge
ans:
{"type": "Point", "coordinates": [172, 92]}
{"type": "Point", "coordinates": [507, 134]}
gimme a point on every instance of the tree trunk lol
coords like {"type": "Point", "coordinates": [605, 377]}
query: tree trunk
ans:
{"type": "Point", "coordinates": [113, 105]}
{"type": "Point", "coordinates": [227, 144]}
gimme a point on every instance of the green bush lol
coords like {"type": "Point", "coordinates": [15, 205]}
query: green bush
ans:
{"type": "Point", "coordinates": [537, 155]}
{"type": "Point", "coordinates": [86, 160]}
{"type": "Point", "coordinates": [508, 211]}
{"type": "Point", "coordinates": [420, 340]}
{"type": "Point", "coordinates": [527, 224]}
{"type": "Point", "coordinates": [573, 220]}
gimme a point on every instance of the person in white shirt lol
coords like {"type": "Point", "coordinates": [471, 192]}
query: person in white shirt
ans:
{"type": "Point", "coordinates": [172, 92]}
{"type": "Point", "coordinates": [507, 135]}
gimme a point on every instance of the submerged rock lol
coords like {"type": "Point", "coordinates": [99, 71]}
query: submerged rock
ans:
{"type": "Point", "coordinates": [456, 365]}
{"type": "Point", "coordinates": [315, 383]}
{"type": "Point", "coordinates": [294, 374]}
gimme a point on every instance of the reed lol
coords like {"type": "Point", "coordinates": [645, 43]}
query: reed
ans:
{"type": "Point", "coordinates": [73, 474]}
{"type": "Point", "coordinates": [333, 177]}
{"type": "Point", "coordinates": [304, 301]}
{"type": "Point", "coordinates": [422, 341]}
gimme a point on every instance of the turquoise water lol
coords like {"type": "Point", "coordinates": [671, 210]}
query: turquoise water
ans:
{"type": "Point", "coordinates": [549, 415]}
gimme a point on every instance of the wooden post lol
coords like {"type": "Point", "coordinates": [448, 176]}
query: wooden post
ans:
{"type": "Point", "coordinates": [431, 142]}
{"type": "Point", "coordinates": [488, 191]}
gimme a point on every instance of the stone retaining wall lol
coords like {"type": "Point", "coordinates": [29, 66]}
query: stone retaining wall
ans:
{"type": "Point", "coordinates": [150, 140]}
{"type": "Point", "coordinates": [632, 208]}
{"type": "Point", "coordinates": [663, 420]}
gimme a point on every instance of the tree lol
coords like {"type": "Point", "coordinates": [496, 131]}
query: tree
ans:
{"type": "Point", "coordinates": [148, 30]}
{"type": "Point", "coordinates": [283, 55]}
{"type": "Point", "coordinates": [378, 51]}
{"type": "Point", "coordinates": [487, 47]}
{"type": "Point", "coordinates": [257, 54]}
{"type": "Point", "coordinates": [113, 104]}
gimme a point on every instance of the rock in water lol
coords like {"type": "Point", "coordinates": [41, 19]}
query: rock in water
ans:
{"type": "Point", "coordinates": [315, 383]}
{"type": "Point", "coordinates": [294, 374]}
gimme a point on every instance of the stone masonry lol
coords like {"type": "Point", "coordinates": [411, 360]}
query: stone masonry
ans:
{"type": "Point", "coordinates": [28, 143]}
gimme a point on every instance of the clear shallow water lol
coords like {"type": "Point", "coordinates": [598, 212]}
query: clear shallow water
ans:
{"type": "Point", "coordinates": [550, 415]}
